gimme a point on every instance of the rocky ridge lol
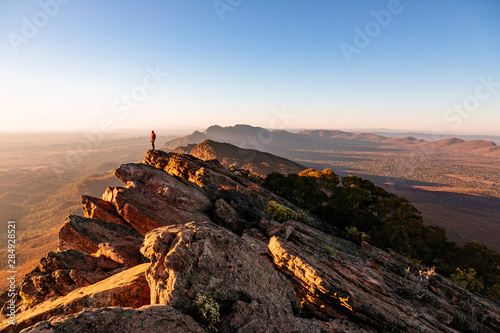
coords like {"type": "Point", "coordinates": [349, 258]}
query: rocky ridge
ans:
{"type": "Point", "coordinates": [182, 227]}
{"type": "Point", "coordinates": [249, 160]}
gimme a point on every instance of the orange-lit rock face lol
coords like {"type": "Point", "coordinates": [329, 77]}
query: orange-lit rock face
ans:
{"type": "Point", "coordinates": [336, 279]}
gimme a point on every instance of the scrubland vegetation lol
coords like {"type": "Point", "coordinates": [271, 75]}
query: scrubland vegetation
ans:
{"type": "Point", "coordinates": [462, 173]}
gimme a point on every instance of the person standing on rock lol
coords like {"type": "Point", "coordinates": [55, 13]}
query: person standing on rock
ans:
{"type": "Point", "coordinates": [153, 138]}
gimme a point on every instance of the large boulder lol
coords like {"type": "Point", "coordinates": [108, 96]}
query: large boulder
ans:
{"type": "Point", "coordinates": [117, 242]}
{"type": "Point", "coordinates": [151, 198]}
{"type": "Point", "coordinates": [148, 319]}
{"type": "Point", "coordinates": [206, 259]}
{"type": "Point", "coordinates": [59, 273]}
{"type": "Point", "coordinates": [127, 289]}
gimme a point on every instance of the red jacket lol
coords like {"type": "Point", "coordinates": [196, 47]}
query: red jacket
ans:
{"type": "Point", "coordinates": [153, 136]}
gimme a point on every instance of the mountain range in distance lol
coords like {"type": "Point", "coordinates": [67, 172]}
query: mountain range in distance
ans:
{"type": "Point", "coordinates": [425, 135]}
{"type": "Point", "coordinates": [281, 142]}
{"type": "Point", "coordinates": [453, 182]}
{"type": "Point", "coordinates": [428, 136]}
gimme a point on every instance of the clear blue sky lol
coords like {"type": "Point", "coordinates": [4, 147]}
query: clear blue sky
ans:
{"type": "Point", "coordinates": [241, 61]}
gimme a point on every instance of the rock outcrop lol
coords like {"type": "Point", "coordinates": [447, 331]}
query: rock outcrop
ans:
{"type": "Point", "coordinates": [176, 191]}
{"type": "Point", "coordinates": [153, 198]}
{"type": "Point", "coordinates": [118, 243]}
{"type": "Point", "coordinates": [59, 273]}
{"type": "Point", "coordinates": [126, 289]}
{"type": "Point", "coordinates": [245, 197]}
{"type": "Point", "coordinates": [203, 231]}
{"type": "Point", "coordinates": [146, 210]}
{"type": "Point", "coordinates": [251, 160]}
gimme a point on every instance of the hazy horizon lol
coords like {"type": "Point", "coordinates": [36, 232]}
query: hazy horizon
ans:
{"type": "Point", "coordinates": [168, 133]}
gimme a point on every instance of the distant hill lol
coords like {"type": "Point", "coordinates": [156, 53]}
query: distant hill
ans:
{"type": "Point", "coordinates": [344, 135]}
{"type": "Point", "coordinates": [431, 136]}
{"type": "Point", "coordinates": [279, 142]}
{"type": "Point", "coordinates": [479, 147]}
{"type": "Point", "coordinates": [292, 145]}
{"type": "Point", "coordinates": [239, 135]}
{"type": "Point", "coordinates": [249, 159]}
{"type": "Point", "coordinates": [245, 136]}
{"type": "Point", "coordinates": [447, 142]}
{"type": "Point", "coordinates": [405, 140]}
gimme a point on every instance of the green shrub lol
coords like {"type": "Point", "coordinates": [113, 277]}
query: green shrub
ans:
{"type": "Point", "coordinates": [493, 292]}
{"type": "Point", "coordinates": [209, 311]}
{"type": "Point", "coordinates": [280, 213]}
{"type": "Point", "coordinates": [254, 177]}
{"type": "Point", "coordinates": [355, 236]}
{"type": "Point", "coordinates": [467, 280]}
{"type": "Point", "coordinates": [328, 250]}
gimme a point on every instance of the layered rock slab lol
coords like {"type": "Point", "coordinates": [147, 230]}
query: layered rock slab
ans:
{"type": "Point", "coordinates": [59, 273]}
{"type": "Point", "coordinates": [146, 210]}
{"type": "Point", "coordinates": [126, 289]}
{"type": "Point", "coordinates": [204, 258]}
{"type": "Point", "coordinates": [337, 279]}
{"type": "Point", "coordinates": [153, 198]}
{"type": "Point", "coordinates": [117, 242]}
{"type": "Point", "coordinates": [147, 319]}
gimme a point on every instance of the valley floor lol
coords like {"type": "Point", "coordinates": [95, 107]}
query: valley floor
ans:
{"type": "Point", "coordinates": [458, 192]}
